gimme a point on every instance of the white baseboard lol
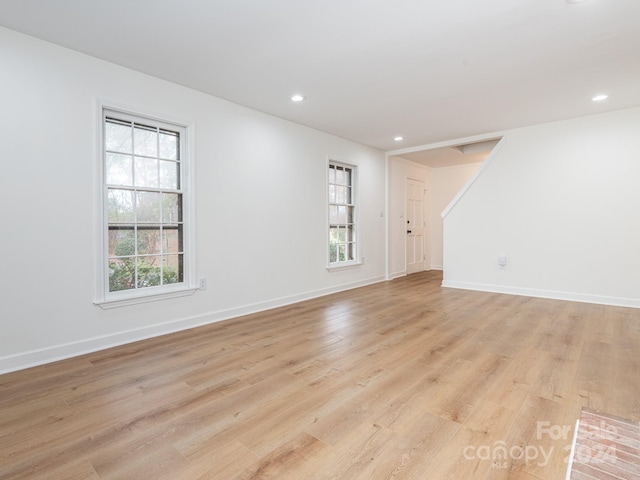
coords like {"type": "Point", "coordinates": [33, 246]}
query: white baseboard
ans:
{"type": "Point", "coordinates": [541, 293]}
{"type": "Point", "coordinates": [32, 358]}
{"type": "Point", "coordinates": [395, 275]}
{"type": "Point", "coordinates": [403, 273]}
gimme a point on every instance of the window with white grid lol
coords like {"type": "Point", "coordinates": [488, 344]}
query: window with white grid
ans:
{"type": "Point", "coordinates": [342, 215]}
{"type": "Point", "coordinates": [145, 226]}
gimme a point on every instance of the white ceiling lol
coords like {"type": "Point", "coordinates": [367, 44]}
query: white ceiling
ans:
{"type": "Point", "coordinates": [370, 69]}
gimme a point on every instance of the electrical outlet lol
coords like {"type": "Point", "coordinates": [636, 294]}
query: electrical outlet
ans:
{"type": "Point", "coordinates": [203, 284]}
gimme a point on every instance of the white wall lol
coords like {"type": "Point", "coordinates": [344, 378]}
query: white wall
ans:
{"type": "Point", "coordinates": [446, 182]}
{"type": "Point", "coordinates": [261, 206]}
{"type": "Point", "coordinates": [399, 171]}
{"type": "Point", "coordinates": [562, 201]}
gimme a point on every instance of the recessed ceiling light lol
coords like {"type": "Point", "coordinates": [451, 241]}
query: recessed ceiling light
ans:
{"type": "Point", "coordinates": [571, 2]}
{"type": "Point", "coordinates": [599, 98]}
{"type": "Point", "coordinates": [398, 138]}
{"type": "Point", "coordinates": [297, 98]}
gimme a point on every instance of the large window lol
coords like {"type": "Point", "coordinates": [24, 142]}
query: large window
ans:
{"type": "Point", "coordinates": [342, 215]}
{"type": "Point", "coordinates": [144, 203]}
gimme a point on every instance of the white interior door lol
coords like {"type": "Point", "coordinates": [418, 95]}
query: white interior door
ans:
{"type": "Point", "coordinates": [415, 226]}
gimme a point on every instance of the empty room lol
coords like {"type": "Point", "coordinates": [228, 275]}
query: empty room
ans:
{"type": "Point", "coordinates": [320, 240]}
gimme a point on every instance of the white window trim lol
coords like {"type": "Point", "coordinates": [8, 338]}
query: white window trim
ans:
{"type": "Point", "coordinates": [103, 297]}
{"type": "Point", "coordinates": [355, 191]}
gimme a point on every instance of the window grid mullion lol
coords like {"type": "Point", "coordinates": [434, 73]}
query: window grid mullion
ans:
{"type": "Point", "coordinates": [143, 189]}
{"type": "Point", "coordinates": [135, 237]}
{"type": "Point", "coordinates": [161, 206]}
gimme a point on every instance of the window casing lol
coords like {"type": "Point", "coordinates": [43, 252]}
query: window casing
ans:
{"type": "Point", "coordinates": [343, 244]}
{"type": "Point", "coordinates": [146, 222]}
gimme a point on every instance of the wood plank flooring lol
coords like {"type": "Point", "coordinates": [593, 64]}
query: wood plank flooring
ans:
{"type": "Point", "coordinates": [398, 380]}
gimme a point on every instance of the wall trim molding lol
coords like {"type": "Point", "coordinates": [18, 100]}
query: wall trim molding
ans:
{"type": "Point", "coordinates": [34, 358]}
{"type": "Point", "coordinates": [541, 293]}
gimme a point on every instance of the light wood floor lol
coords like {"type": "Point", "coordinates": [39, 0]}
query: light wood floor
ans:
{"type": "Point", "coordinates": [399, 380]}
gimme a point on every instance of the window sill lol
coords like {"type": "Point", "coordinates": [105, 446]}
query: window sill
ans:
{"type": "Point", "coordinates": [336, 267]}
{"type": "Point", "coordinates": [154, 297]}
